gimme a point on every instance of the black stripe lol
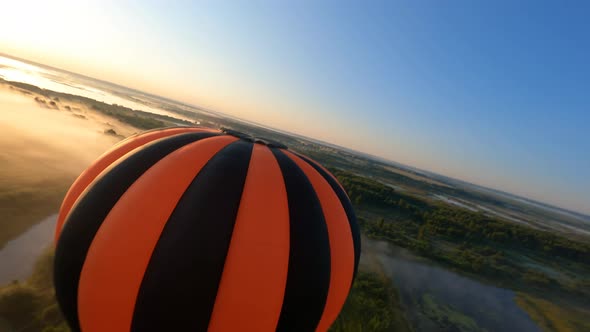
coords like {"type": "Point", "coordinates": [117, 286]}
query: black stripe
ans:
{"type": "Point", "coordinates": [308, 279]}
{"type": "Point", "coordinates": [180, 284]}
{"type": "Point", "coordinates": [92, 207]}
{"type": "Point", "coordinates": [354, 228]}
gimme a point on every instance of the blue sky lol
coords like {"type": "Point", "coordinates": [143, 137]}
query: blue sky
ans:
{"type": "Point", "coordinates": [496, 93]}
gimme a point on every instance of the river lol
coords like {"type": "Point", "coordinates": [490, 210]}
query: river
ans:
{"type": "Point", "coordinates": [19, 255]}
{"type": "Point", "coordinates": [436, 298]}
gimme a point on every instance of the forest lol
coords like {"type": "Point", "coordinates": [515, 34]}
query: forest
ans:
{"type": "Point", "coordinates": [471, 242]}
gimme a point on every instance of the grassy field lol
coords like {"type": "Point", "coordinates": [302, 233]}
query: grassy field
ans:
{"type": "Point", "coordinates": [30, 306]}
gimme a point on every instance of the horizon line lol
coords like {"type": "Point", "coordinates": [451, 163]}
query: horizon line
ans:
{"type": "Point", "coordinates": [365, 154]}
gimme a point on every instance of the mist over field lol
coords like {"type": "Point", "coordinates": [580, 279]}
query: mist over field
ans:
{"type": "Point", "coordinates": [44, 135]}
{"type": "Point", "coordinates": [43, 148]}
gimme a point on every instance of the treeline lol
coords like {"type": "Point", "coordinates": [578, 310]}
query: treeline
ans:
{"type": "Point", "coordinates": [365, 191]}
{"type": "Point", "coordinates": [136, 118]}
{"type": "Point", "coordinates": [459, 224]}
{"type": "Point", "coordinates": [128, 116]}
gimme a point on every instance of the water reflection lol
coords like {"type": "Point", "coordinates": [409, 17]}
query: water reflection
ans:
{"type": "Point", "coordinates": [18, 256]}
{"type": "Point", "coordinates": [437, 298]}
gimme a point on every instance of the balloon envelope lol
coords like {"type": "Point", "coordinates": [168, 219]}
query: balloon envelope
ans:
{"type": "Point", "coordinates": [184, 229]}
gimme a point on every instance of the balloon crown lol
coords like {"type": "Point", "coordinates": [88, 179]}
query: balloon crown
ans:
{"type": "Point", "coordinates": [249, 138]}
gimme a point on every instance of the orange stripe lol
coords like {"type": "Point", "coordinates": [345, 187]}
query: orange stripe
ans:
{"type": "Point", "coordinates": [105, 161]}
{"type": "Point", "coordinates": [252, 286]}
{"type": "Point", "coordinates": [122, 247]}
{"type": "Point", "coordinates": [341, 244]}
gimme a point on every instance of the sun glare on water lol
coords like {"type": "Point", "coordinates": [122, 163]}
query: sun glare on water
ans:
{"type": "Point", "coordinates": [12, 70]}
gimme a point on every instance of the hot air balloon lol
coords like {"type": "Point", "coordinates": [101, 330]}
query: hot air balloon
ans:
{"type": "Point", "coordinates": [194, 229]}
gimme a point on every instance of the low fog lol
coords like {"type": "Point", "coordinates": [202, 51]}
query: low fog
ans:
{"type": "Point", "coordinates": [47, 140]}
{"type": "Point", "coordinates": [44, 146]}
